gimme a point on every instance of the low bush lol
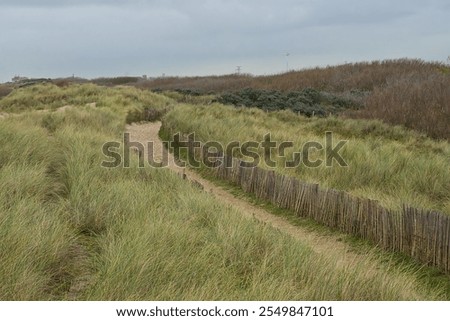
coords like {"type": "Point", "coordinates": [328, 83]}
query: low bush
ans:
{"type": "Point", "coordinates": [308, 102]}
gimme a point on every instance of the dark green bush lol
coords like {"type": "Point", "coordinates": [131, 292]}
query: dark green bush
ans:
{"type": "Point", "coordinates": [309, 102]}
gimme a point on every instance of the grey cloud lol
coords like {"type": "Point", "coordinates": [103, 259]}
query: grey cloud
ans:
{"type": "Point", "coordinates": [95, 38]}
{"type": "Point", "coordinates": [62, 3]}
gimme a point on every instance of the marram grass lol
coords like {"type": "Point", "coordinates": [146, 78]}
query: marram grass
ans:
{"type": "Point", "coordinates": [70, 229]}
{"type": "Point", "coordinates": [386, 163]}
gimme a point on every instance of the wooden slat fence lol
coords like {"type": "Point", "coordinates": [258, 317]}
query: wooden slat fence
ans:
{"type": "Point", "coordinates": [419, 233]}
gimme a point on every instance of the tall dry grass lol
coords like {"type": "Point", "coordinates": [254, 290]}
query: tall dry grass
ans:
{"type": "Point", "coordinates": [420, 102]}
{"type": "Point", "coordinates": [123, 100]}
{"type": "Point", "coordinates": [201, 84]}
{"type": "Point", "coordinates": [71, 229]}
{"type": "Point", "coordinates": [351, 76]}
{"type": "Point", "coordinates": [389, 164]}
{"type": "Point", "coordinates": [36, 240]}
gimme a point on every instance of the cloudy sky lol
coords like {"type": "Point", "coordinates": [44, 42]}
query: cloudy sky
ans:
{"type": "Point", "coordinates": [53, 38]}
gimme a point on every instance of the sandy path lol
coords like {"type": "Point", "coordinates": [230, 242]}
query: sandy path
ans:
{"type": "Point", "coordinates": [148, 132]}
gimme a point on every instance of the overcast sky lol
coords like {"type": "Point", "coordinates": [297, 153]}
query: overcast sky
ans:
{"type": "Point", "coordinates": [58, 38]}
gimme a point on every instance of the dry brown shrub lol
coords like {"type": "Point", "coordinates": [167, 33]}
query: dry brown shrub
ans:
{"type": "Point", "coordinates": [418, 102]}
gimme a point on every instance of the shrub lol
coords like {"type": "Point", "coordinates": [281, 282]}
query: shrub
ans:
{"type": "Point", "coordinates": [421, 102]}
{"type": "Point", "coordinates": [309, 102]}
{"type": "Point", "coordinates": [5, 90]}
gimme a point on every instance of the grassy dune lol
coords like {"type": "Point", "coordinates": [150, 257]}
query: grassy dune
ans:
{"type": "Point", "coordinates": [386, 163]}
{"type": "Point", "coordinates": [408, 92]}
{"type": "Point", "coordinates": [35, 237]}
{"type": "Point", "coordinates": [70, 229]}
{"type": "Point", "coordinates": [49, 96]}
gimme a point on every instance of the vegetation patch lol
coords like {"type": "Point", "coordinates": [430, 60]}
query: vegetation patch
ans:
{"type": "Point", "coordinates": [308, 102]}
{"type": "Point", "coordinates": [407, 92]}
{"type": "Point", "coordinates": [71, 229]}
{"type": "Point", "coordinates": [390, 164]}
